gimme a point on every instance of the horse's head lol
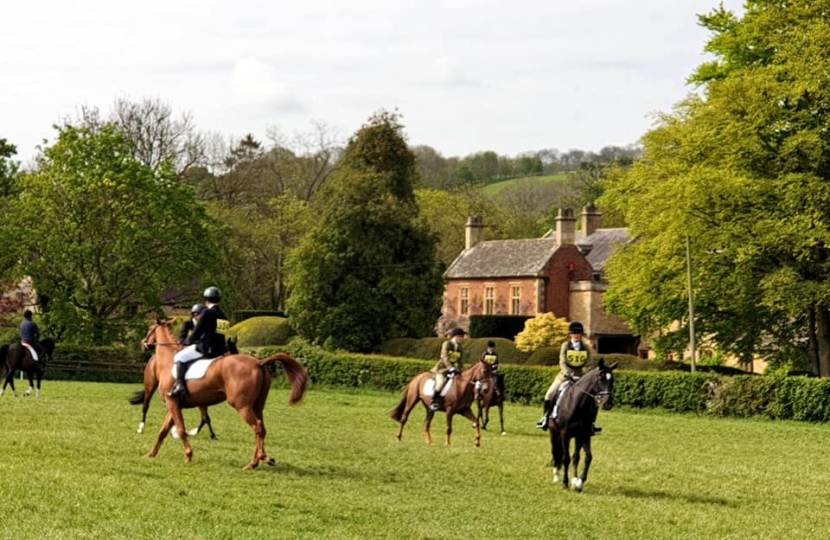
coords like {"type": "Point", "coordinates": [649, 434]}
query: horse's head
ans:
{"type": "Point", "coordinates": [152, 338]}
{"type": "Point", "coordinates": [481, 373]}
{"type": "Point", "coordinates": [48, 346]}
{"type": "Point", "coordinates": [604, 385]}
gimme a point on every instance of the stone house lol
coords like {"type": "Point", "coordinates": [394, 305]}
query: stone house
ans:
{"type": "Point", "coordinates": [562, 273]}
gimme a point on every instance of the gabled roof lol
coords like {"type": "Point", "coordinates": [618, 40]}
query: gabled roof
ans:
{"type": "Point", "coordinates": [602, 242]}
{"type": "Point", "coordinates": [503, 258]}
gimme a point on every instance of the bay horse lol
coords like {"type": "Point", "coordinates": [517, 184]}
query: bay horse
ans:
{"type": "Point", "coordinates": [458, 399]}
{"type": "Point", "coordinates": [151, 383]}
{"type": "Point", "coordinates": [241, 379]}
{"type": "Point", "coordinates": [491, 398]}
{"type": "Point", "coordinates": [17, 357]}
{"type": "Point", "coordinates": [578, 410]}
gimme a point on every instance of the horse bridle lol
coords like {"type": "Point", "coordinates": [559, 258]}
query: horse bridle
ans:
{"type": "Point", "coordinates": [599, 395]}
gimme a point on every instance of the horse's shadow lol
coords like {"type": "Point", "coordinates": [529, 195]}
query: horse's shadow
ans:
{"type": "Point", "coordinates": [636, 493]}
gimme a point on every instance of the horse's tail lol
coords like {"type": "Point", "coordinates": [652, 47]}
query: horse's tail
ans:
{"type": "Point", "coordinates": [4, 356]}
{"type": "Point", "coordinates": [397, 413]}
{"type": "Point", "coordinates": [296, 372]}
{"type": "Point", "coordinates": [137, 398]}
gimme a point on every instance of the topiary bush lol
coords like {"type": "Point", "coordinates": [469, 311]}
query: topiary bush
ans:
{"type": "Point", "coordinates": [259, 331]}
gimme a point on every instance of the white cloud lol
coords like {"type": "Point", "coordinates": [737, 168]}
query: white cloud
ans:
{"type": "Point", "coordinates": [467, 75]}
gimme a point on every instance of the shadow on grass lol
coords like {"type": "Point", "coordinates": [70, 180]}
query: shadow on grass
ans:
{"type": "Point", "coordinates": [666, 495]}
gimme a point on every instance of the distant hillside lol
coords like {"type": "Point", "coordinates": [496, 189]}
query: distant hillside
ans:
{"type": "Point", "coordinates": [560, 178]}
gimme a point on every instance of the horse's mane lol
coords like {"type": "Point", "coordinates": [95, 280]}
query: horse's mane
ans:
{"type": "Point", "coordinates": [574, 395]}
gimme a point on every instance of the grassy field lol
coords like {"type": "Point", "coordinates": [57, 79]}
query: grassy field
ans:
{"type": "Point", "coordinates": [72, 467]}
{"type": "Point", "coordinates": [561, 178]}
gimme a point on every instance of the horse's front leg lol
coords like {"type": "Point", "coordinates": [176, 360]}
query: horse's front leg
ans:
{"type": "Point", "coordinates": [39, 379]}
{"type": "Point", "coordinates": [566, 462]}
{"type": "Point", "coordinates": [469, 414]}
{"type": "Point", "coordinates": [178, 420]}
{"type": "Point", "coordinates": [165, 429]}
{"type": "Point", "coordinates": [501, 417]}
{"type": "Point", "coordinates": [589, 457]}
{"type": "Point", "coordinates": [427, 424]}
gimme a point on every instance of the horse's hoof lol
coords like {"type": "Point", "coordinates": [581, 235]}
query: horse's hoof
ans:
{"type": "Point", "coordinates": [271, 462]}
{"type": "Point", "coordinates": [503, 433]}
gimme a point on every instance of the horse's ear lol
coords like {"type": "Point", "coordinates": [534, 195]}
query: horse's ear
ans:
{"type": "Point", "coordinates": [613, 366]}
{"type": "Point", "coordinates": [601, 363]}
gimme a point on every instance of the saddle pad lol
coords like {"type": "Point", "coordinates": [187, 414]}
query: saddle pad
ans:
{"type": "Point", "coordinates": [197, 368]}
{"type": "Point", "coordinates": [31, 351]}
{"type": "Point", "coordinates": [429, 387]}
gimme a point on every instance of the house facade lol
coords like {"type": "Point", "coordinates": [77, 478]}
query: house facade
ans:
{"type": "Point", "coordinates": [562, 273]}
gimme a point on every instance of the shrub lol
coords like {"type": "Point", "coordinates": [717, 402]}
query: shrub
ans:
{"type": "Point", "coordinates": [259, 331]}
{"type": "Point", "coordinates": [544, 330]}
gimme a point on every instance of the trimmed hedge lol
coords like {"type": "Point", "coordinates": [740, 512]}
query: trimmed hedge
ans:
{"type": "Point", "coordinates": [260, 331]}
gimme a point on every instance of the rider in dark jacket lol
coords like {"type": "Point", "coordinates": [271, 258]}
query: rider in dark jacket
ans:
{"type": "Point", "coordinates": [206, 340]}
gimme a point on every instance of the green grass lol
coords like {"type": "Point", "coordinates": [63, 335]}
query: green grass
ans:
{"type": "Point", "coordinates": [560, 178]}
{"type": "Point", "coordinates": [72, 467]}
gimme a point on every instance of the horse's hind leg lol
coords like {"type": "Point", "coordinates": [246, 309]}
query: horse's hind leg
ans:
{"type": "Point", "coordinates": [10, 382]}
{"type": "Point", "coordinates": [501, 417]}
{"type": "Point", "coordinates": [31, 385]}
{"type": "Point", "coordinates": [39, 379]}
{"type": "Point", "coordinates": [254, 419]}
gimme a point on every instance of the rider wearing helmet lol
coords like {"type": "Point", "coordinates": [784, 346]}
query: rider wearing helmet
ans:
{"type": "Point", "coordinates": [206, 340]}
{"type": "Point", "coordinates": [30, 333]}
{"type": "Point", "coordinates": [190, 323]}
{"type": "Point", "coordinates": [449, 363]}
{"type": "Point", "coordinates": [574, 357]}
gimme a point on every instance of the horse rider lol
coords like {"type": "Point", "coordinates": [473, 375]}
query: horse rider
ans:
{"type": "Point", "coordinates": [190, 324]}
{"type": "Point", "coordinates": [450, 364]}
{"type": "Point", "coordinates": [30, 333]}
{"type": "Point", "coordinates": [206, 340]}
{"type": "Point", "coordinates": [492, 357]}
{"type": "Point", "coordinates": [574, 356]}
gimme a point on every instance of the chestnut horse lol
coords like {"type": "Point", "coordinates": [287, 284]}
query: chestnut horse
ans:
{"type": "Point", "coordinates": [458, 399]}
{"type": "Point", "coordinates": [578, 410]}
{"type": "Point", "coordinates": [151, 382]}
{"type": "Point", "coordinates": [17, 356]}
{"type": "Point", "coordinates": [242, 380]}
{"type": "Point", "coordinates": [491, 398]}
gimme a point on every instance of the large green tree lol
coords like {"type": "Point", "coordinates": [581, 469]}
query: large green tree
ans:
{"type": "Point", "coordinates": [743, 170]}
{"type": "Point", "coordinates": [101, 233]}
{"type": "Point", "coordinates": [367, 271]}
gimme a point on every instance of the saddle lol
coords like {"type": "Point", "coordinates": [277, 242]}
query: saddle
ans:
{"type": "Point", "coordinates": [429, 386]}
{"type": "Point", "coordinates": [196, 369]}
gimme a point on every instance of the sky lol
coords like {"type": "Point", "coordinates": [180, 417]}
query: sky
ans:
{"type": "Point", "coordinates": [466, 75]}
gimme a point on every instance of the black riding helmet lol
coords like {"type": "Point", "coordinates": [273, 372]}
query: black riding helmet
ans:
{"type": "Point", "coordinates": [576, 328]}
{"type": "Point", "coordinates": [197, 309]}
{"type": "Point", "coordinates": [212, 294]}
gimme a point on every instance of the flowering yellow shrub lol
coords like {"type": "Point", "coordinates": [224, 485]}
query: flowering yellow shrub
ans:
{"type": "Point", "coordinates": [544, 330]}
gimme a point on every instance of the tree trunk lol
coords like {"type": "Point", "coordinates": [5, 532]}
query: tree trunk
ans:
{"type": "Point", "coordinates": [823, 341]}
{"type": "Point", "coordinates": [812, 346]}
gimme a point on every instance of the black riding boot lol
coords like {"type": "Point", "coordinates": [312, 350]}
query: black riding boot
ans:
{"type": "Point", "coordinates": [180, 388]}
{"type": "Point", "coordinates": [436, 398]}
{"type": "Point", "coordinates": [548, 407]}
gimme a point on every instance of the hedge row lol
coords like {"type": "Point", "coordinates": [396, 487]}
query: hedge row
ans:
{"type": "Point", "coordinates": [771, 396]}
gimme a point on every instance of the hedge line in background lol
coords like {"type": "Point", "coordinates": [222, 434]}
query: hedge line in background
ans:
{"type": "Point", "coordinates": [770, 396]}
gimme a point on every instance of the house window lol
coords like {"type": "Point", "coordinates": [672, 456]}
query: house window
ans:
{"type": "Point", "coordinates": [464, 294]}
{"type": "Point", "coordinates": [515, 299]}
{"type": "Point", "coordinates": [489, 300]}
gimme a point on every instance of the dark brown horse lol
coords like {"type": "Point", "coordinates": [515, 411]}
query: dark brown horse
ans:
{"type": "Point", "coordinates": [492, 397]}
{"type": "Point", "coordinates": [458, 399]}
{"type": "Point", "coordinates": [578, 410]}
{"type": "Point", "coordinates": [242, 380]}
{"type": "Point", "coordinates": [151, 383]}
{"type": "Point", "coordinates": [17, 357]}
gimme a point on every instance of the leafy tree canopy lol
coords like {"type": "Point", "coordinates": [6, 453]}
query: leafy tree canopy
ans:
{"type": "Point", "coordinates": [367, 271]}
{"type": "Point", "coordinates": [101, 233]}
{"type": "Point", "coordinates": [743, 170]}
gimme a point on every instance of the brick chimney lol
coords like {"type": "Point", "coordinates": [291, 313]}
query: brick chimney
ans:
{"type": "Point", "coordinates": [591, 219]}
{"type": "Point", "coordinates": [565, 227]}
{"type": "Point", "coordinates": [474, 231]}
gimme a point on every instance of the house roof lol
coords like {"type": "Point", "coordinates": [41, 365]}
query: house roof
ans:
{"type": "Point", "coordinates": [503, 258]}
{"type": "Point", "coordinates": [528, 257]}
{"type": "Point", "coordinates": [602, 242]}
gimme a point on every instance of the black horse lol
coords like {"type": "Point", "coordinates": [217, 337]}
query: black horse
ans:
{"type": "Point", "coordinates": [578, 410]}
{"type": "Point", "coordinates": [17, 356]}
